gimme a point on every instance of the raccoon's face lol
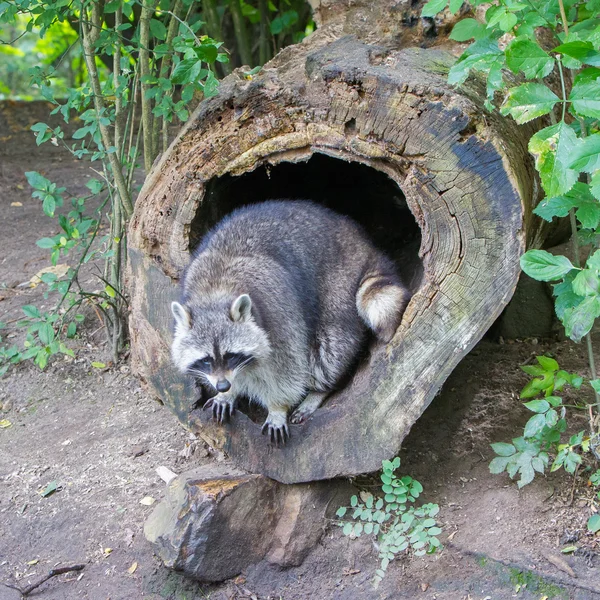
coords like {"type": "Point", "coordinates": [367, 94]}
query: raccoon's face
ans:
{"type": "Point", "coordinates": [216, 342]}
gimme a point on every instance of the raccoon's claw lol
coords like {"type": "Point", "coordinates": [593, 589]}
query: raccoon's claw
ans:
{"type": "Point", "coordinates": [278, 433]}
{"type": "Point", "coordinates": [222, 410]}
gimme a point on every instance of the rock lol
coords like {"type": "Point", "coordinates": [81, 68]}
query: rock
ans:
{"type": "Point", "coordinates": [302, 519]}
{"type": "Point", "coordinates": [217, 520]}
{"type": "Point", "coordinates": [214, 522]}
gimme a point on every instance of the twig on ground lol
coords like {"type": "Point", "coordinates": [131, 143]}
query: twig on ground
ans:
{"type": "Point", "coordinates": [52, 573]}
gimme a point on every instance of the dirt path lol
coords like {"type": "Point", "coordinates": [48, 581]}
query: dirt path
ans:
{"type": "Point", "coordinates": [99, 437]}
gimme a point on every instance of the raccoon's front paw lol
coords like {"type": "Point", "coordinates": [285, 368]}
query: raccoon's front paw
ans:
{"type": "Point", "coordinates": [276, 428]}
{"type": "Point", "coordinates": [307, 407]}
{"type": "Point", "coordinates": [223, 408]}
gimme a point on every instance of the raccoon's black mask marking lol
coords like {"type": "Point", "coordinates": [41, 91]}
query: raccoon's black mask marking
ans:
{"type": "Point", "coordinates": [228, 362]}
{"type": "Point", "coordinates": [204, 365]}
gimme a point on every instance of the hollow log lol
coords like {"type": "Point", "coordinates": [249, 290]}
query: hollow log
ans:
{"type": "Point", "coordinates": [373, 131]}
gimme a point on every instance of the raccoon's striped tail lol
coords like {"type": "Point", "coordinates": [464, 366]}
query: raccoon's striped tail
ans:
{"type": "Point", "coordinates": [381, 301]}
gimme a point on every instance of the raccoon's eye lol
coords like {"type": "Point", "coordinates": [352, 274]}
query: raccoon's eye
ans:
{"type": "Point", "coordinates": [234, 359]}
{"type": "Point", "coordinates": [202, 364]}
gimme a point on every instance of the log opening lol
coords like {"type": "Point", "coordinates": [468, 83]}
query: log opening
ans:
{"type": "Point", "coordinates": [361, 192]}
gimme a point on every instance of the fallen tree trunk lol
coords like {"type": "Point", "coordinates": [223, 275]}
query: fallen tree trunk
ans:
{"type": "Point", "coordinates": [442, 185]}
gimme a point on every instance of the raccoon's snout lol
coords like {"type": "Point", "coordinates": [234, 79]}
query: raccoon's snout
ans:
{"type": "Point", "coordinates": [223, 386]}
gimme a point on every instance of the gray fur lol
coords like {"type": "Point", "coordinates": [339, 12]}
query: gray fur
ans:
{"type": "Point", "coordinates": [295, 287]}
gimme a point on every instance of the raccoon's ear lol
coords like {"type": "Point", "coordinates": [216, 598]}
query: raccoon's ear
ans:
{"type": "Point", "coordinates": [241, 309]}
{"type": "Point", "coordinates": [182, 315]}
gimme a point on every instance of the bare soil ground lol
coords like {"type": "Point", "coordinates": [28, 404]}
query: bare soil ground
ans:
{"type": "Point", "coordinates": [99, 436]}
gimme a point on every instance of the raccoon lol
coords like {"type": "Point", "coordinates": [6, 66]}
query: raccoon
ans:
{"type": "Point", "coordinates": [276, 305]}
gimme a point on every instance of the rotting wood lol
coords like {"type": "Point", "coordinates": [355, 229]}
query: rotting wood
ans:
{"type": "Point", "coordinates": [465, 174]}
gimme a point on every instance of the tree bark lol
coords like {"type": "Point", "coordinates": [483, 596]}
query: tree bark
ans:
{"type": "Point", "coordinates": [467, 179]}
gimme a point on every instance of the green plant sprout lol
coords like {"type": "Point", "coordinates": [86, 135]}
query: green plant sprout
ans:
{"type": "Point", "coordinates": [396, 525]}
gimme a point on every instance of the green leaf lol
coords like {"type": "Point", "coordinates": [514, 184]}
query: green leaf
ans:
{"type": "Point", "coordinates": [586, 154]}
{"type": "Point", "coordinates": [594, 523]}
{"type": "Point", "coordinates": [589, 74]}
{"type": "Point", "coordinates": [467, 29]}
{"type": "Point", "coordinates": [528, 57]}
{"type": "Point", "coordinates": [36, 181]}
{"type": "Point", "coordinates": [537, 406]}
{"type": "Point", "coordinates": [527, 473]}
{"type": "Point", "coordinates": [455, 6]}
{"type": "Point", "coordinates": [348, 528]}
{"type": "Point", "coordinates": [46, 333]}
{"type": "Point", "coordinates": [565, 296]}
{"type": "Point", "coordinates": [49, 489]}
{"type": "Point", "coordinates": [558, 206]}
{"type": "Point", "coordinates": [551, 418]}
{"type": "Point", "coordinates": [594, 185]}
{"type": "Point", "coordinates": [283, 22]}
{"type": "Point", "coordinates": [158, 30]}
{"type": "Point", "coordinates": [71, 329]}
{"type": "Point", "coordinates": [553, 149]}
{"type": "Point", "coordinates": [582, 51]}
{"type": "Point", "coordinates": [579, 320]}
{"type": "Point", "coordinates": [507, 21]}
{"type": "Point", "coordinates": [543, 266]}
{"type": "Point", "coordinates": [101, 365]}
{"type": "Point", "coordinates": [534, 426]}
{"type": "Point", "coordinates": [46, 243]}
{"type": "Point", "coordinates": [579, 197]}
{"type": "Point", "coordinates": [49, 205]}
{"type": "Point", "coordinates": [498, 464]}
{"type": "Point", "coordinates": [416, 488]}
{"type": "Point", "coordinates": [547, 363]}
{"type": "Point", "coordinates": [528, 101]}
{"type": "Point", "coordinates": [94, 186]}
{"type": "Point", "coordinates": [211, 85]}
{"type": "Point", "coordinates": [207, 52]}
{"type": "Point", "coordinates": [533, 388]}
{"type": "Point", "coordinates": [572, 459]}
{"type": "Point", "coordinates": [433, 7]}
{"type": "Point", "coordinates": [186, 71]}
{"type": "Point", "coordinates": [459, 72]}
{"type": "Point", "coordinates": [482, 55]}
{"type": "Point", "coordinates": [503, 449]}
{"type": "Point", "coordinates": [585, 97]}
{"type": "Point", "coordinates": [31, 311]}
{"type": "Point", "coordinates": [586, 283]}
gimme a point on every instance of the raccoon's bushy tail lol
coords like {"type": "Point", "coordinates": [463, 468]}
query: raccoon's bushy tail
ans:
{"type": "Point", "coordinates": [381, 301]}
